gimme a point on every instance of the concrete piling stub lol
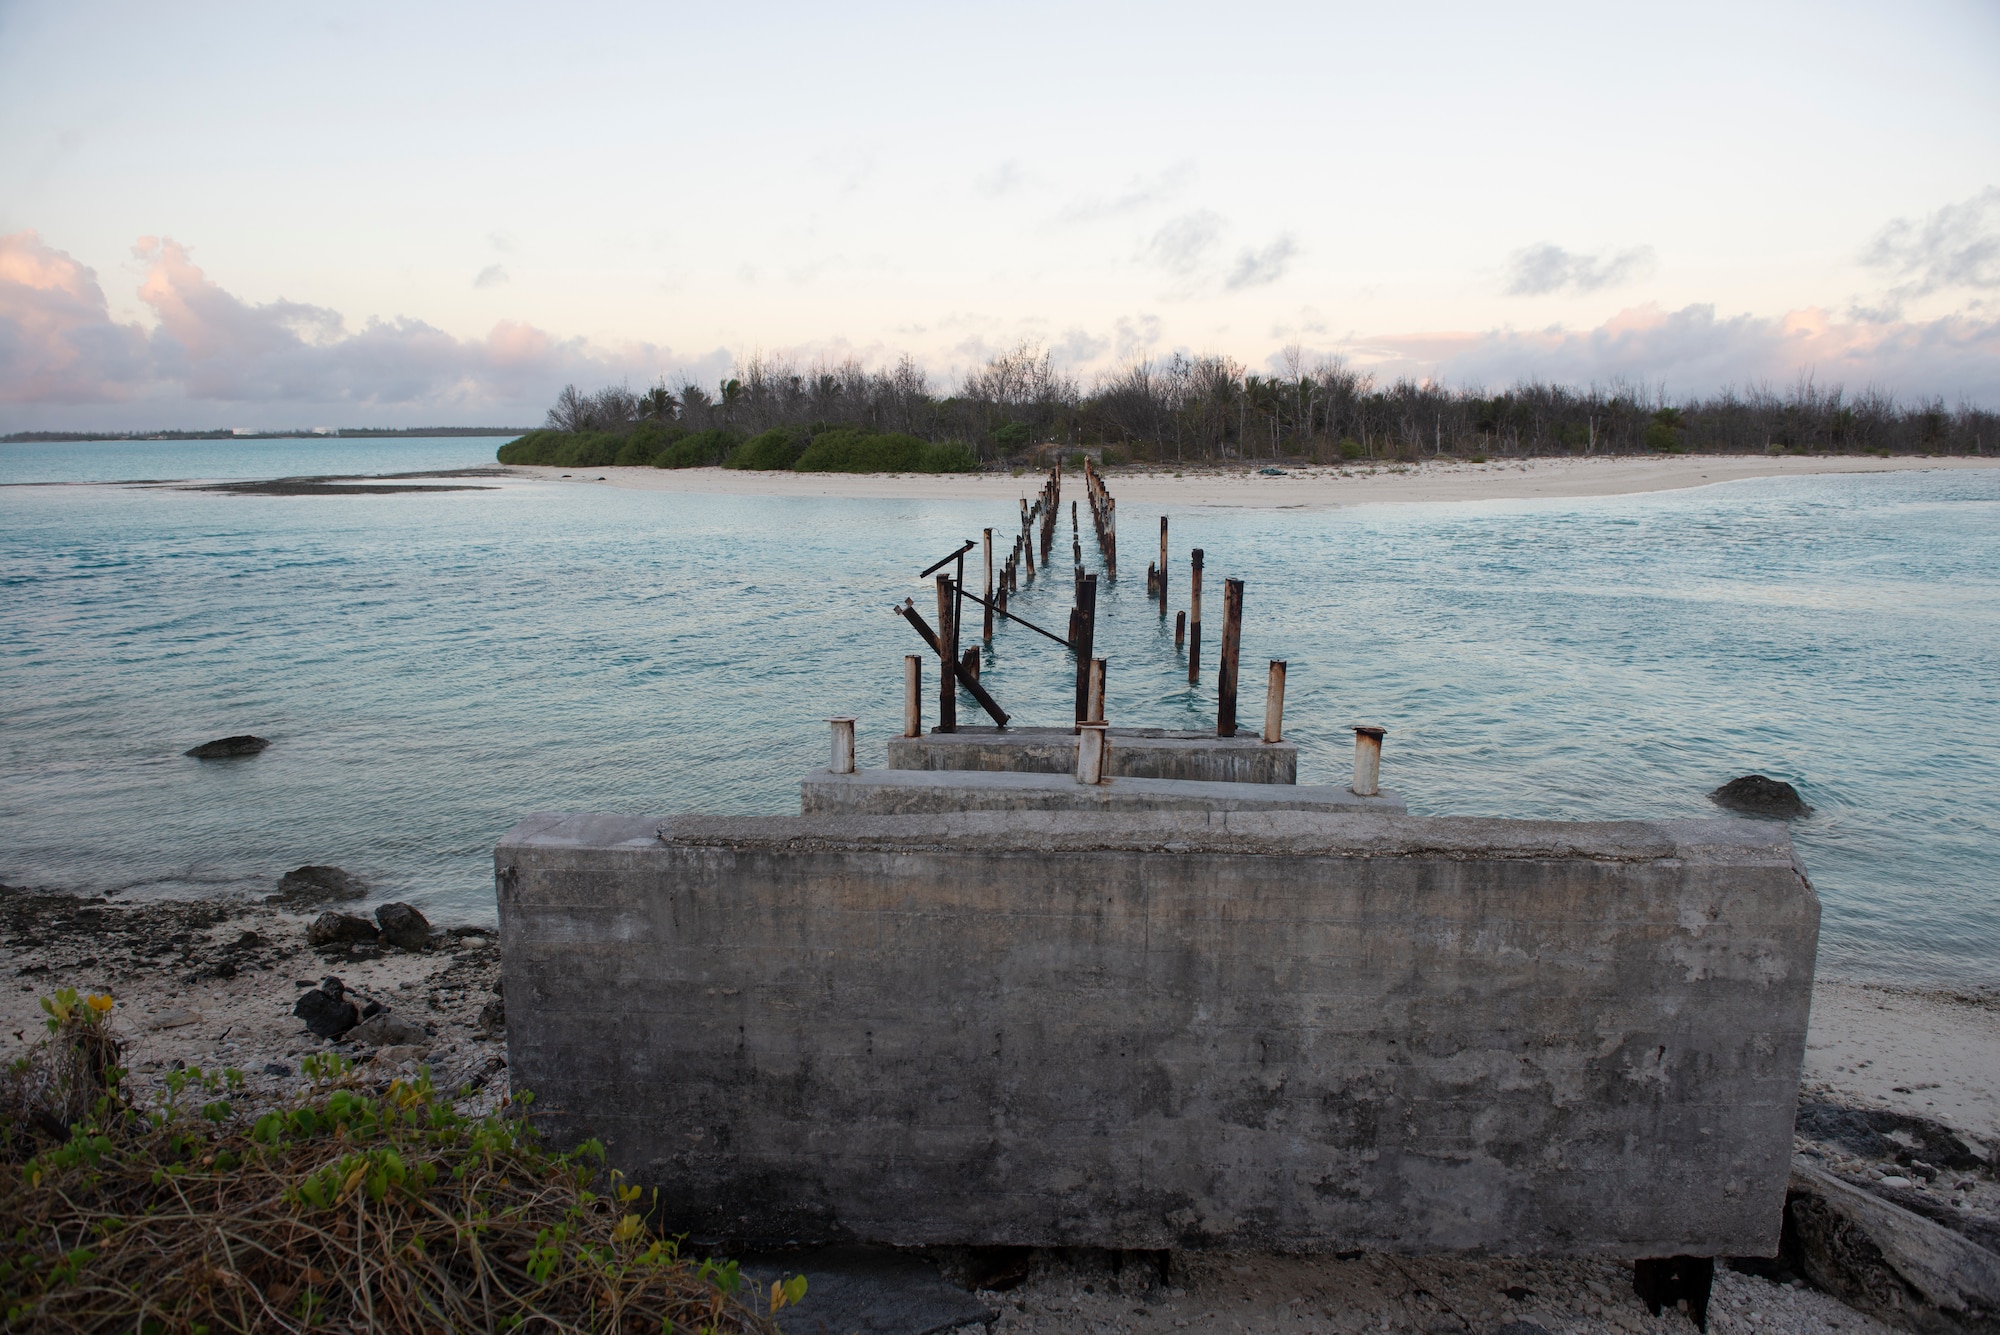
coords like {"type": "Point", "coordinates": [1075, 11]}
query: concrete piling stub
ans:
{"type": "Point", "coordinates": [1368, 759]}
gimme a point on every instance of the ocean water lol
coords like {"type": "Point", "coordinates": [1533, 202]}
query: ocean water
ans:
{"type": "Point", "coordinates": [432, 667]}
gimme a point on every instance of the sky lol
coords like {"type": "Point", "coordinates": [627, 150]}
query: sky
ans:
{"type": "Point", "coordinates": [301, 215]}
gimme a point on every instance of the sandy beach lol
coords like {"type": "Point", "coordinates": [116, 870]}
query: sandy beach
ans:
{"type": "Point", "coordinates": [1295, 488]}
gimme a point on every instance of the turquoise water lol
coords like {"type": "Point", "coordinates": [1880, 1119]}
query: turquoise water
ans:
{"type": "Point", "coordinates": [432, 667]}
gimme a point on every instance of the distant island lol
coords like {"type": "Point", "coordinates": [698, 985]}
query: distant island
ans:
{"type": "Point", "coordinates": [846, 417]}
{"type": "Point", "coordinates": [345, 433]}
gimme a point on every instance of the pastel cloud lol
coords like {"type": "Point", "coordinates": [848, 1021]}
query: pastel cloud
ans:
{"type": "Point", "coordinates": [1693, 350]}
{"type": "Point", "coordinates": [60, 346]}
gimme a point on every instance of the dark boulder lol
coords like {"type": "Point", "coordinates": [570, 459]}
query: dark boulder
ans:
{"type": "Point", "coordinates": [227, 748]}
{"type": "Point", "coordinates": [340, 929]}
{"type": "Point", "coordinates": [1756, 795]}
{"type": "Point", "coordinates": [314, 884]}
{"type": "Point", "coordinates": [493, 1015]}
{"type": "Point", "coordinates": [326, 1009]}
{"type": "Point", "coordinates": [403, 927]}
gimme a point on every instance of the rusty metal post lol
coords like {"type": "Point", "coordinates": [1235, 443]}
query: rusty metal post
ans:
{"type": "Point", "coordinates": [1180, 629]}
{"type": "Point", "coordinates": [1095, 704]}
{"type": "Point", "coordinates": [1274, 703]}
{"type": "Point", "coordinates": [987, 542]}
{"type": "Point", "coordinates": [843, 745]}
{"type": "Point", "coordinates": [1367, 759]}
{"type": "Point", "coordinates": [947, 657]}
{"type": "Point", "coordinates": [1093, 746]}
{"type": "Point", "coordinates": [1194, 620]}
{"type": "Point", "coordinates": [1163, 565]}
{"type": "Point", "coordinates": [913, 695]}
{"type": "Point", "coordinates": [1225, 668]}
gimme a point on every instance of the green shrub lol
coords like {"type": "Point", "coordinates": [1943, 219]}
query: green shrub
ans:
{"type": "Point", "coordinates": [534, 448]}
{"type": "Point", "coordinates": [1014, 435]}
{"type": "Point", "coordinates": [776, 448]}
{"type": "Point", "coordinates": [1351, 449]}
{"type": "Point", "coordinates": [851, 450]}
{"type": "Point", "coordinates": [703, 449]}
{"type": "Point", "coordinates": [1663, 438]}
{"type": "Point", "coordinates": [646, 442]}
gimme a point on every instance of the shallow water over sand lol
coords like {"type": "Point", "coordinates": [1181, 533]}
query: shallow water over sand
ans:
{"type": "Point", "coordinates": [431, 667]}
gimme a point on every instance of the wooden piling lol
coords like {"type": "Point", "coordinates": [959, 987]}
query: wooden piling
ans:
{"type": "Point", "coordinates": [1083, 640]}
{"type": "Point", "coordinates": [1180, 629]}
{"type": "Point", "coordinates": [1161, 591]}
{"type": "Point", "coordinates": [986, 542]}
{"type": "Point", "coordinates": [1194, 620]}
{"type": "Point", "coordinates": [1094, 702]}
{"type": "Point", "coordinates": [1225, 668]}
{"type": "Point", "coordinates": [947, 657]}
{"type": "Point", "coordinates": [913, 695]}
{"type": "Point", "coordinates": [1274, 703]}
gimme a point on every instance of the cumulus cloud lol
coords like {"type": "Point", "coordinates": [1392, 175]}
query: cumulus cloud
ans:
{"type": "Point", "coordinates": [1695, 350]}
{"type": "Point", "coordinates": [1182, 245]}
{"type": "Point", "coordinates": [60, 348]}
{"type": "Point", "coordinates": [492, 275]}
{"type": "Point", "coordinates": [1263, 266]}
{"type": "Point", "coordinates": [1956, 248]}
{"type": "Point", "coordinates": [1545, 268]}
{"type": "Point", "coordinates": [1135, 335]}
{"type": "Point", "coordinates": [57, 340]}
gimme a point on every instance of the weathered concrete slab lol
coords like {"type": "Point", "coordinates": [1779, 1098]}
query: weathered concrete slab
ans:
{"type": "Point", "coordinates": [911, 792]}
{"type": "Point", "coordinates": [1136, 753]}
{"type": "Point", "coordinates": [1261, 1029]}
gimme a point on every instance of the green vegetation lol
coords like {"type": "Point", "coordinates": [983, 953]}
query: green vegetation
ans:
{"type": "Point", "coordinates": [347, 1206]}
{"type": "Point", "coordinates": [775, 449]}
{"type": "Point", "coordinates": [646, 444]}
{"type": "Point", "coordinates": [848, 450]}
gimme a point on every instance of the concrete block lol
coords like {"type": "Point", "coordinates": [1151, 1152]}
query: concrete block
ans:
{"type": "Point", "coordinates": [1136, 753]}
{"type": "Point", "coordinates": [911, 792]}
{"type": "Point", "coordinates": [1147, 1029]}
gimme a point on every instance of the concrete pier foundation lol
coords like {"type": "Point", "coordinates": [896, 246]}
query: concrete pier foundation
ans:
{"type": "Point", "coordinates": [1136, 753]}
{"type": "Point", "coordinates": [1130, 1028]}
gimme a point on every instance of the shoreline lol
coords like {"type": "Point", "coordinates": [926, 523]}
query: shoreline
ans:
{"type": "Point", "coordinates": [1312, 487]}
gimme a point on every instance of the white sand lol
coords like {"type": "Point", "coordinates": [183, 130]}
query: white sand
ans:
{"type": "Point", "coordinates": [1927, 1053]}
{"type": "Point", "coordinates": [1304, 488]}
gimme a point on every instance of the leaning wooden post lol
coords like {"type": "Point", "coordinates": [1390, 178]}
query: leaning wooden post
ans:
{"type": "Point", "coordinates": [1225, 669]}
{"type": "Point", "coordinates": [1163, 565]}
{"type": "Point", "coordinates": [1274, 703]}
{"type": "Point", "coordinates": [1194, 621]}
{"type": "Point", "coordinates": [947, 658]}
{"type": "Point", "coordinates": [913, 695]}
{"type": "Point", "coordinates": [1082, 642]}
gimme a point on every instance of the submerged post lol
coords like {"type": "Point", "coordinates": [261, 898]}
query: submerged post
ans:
{"type": "Point", "coordinates": [1367, 759]}
{"type": "Point", "coordinates": [987, 540]}
{"type": "Point", "coordinates": [1225, 670]}
{"type": "Point", "coordinates": [947, 657]}
{"type": "Point", "coordinates": [1180, 629]}
{"type": "Point", "coordinates": [843, 745]}
{"type": "Point", "coordinates": [1194, 620]}
{"type": "Point", "coordinates": [1274, 703]}
{"type": "Point", "coordinates": [1083, 640]}
{"type": "Point", "coordinates": [1163, 565]}
{"type": "Point", "coordinates": [913, 695]}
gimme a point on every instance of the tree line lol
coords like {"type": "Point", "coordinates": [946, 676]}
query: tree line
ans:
{"type": "Point", "coordinates": [1214, 410]}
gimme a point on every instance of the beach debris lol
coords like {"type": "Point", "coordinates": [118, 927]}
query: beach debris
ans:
{"type": "Point", "coordinates": [493, 1015]}
{"type": "Point", "coordinates": [280, 1069]}
{"type": "Point", "coordinates": [174, 1019]}
{"type": "Point", "coordinates": [326, 1009]}
{"type": "Point", "coordinates": [403, 927]}
{"type": "Point", "coordinates": [315, 884]}
{"type": "Point", "coordinates": [1757, 795]}
{"type": "Point", "coordinates": [228, 748]}
{"type": "Point", "coordinates": [336, 929]}
{"type": "Point", "coordinates": [1884, 1259]}
{"type": "Point", "coordinates": [388, 1030]}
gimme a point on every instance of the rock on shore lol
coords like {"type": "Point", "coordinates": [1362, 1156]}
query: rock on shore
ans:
{"type": "Point", "coordinates": [227, 748]}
